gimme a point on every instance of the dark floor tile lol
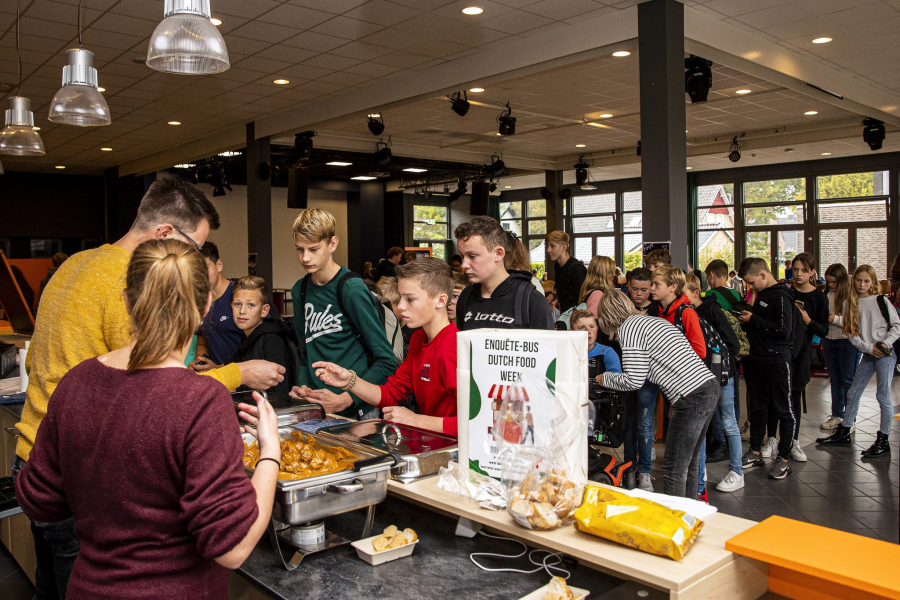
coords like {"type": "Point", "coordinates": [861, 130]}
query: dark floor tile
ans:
{"type": "Point", "coordinates": [862, 477]}
{"type": "Point", "coordinates": [813, 503]}
{"type": "Point", "coordinates": [807, 467]}
{"type": "Point", "coordinates": [726, 503]}
{"type": "Point", "coordinates": [836, 490]}
{"type": "Point", "coordinates": [16, 591]}
{"type": "Point", "coordinates": [835, 519]}
{"type": "Point", "coordinates": [792, 488]}
{"type": "Point", "coordinates": [891, 502]}
{"type": "Point", "coordinates": [820, 477]}
{"type": "Point", "coordinates": [883, 519]}
{"type": "Point", "coordinates": [761, 502]}
{"type": "Point", "coordinates": [889, 535]}
{"type": "Point", "coordinates": [751, 489]}
{"type": "Point", "coordinates": [877, 489]}
{"type": "Point", "coordinates": [845, 466]}
{"type": "Point", "coordinates": [852, 504]}
{"type": "Point", "coordinates": [787, 513]}
{"type": "Point", "coordinates": [742, 514]}
{"type": "Point", "coordinates": [865, 532]}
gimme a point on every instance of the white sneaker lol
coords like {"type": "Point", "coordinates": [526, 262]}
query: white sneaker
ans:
{"type": "Point", "coordinates": [797, 452]}
{"type": "Point", "coordinates": [831, 423]}
{"type": "Point", "coordinates": [645, 482]}
{"type": "Point", "coordinates": [770, 448]}
{"type": "Point", "coordinates": [745, 431]}
{"type": "Point", "coordinates": [853, 427]}
{"type": "Point", "coordinates": [652, 454]}
{"type": "Point", "coordinates": [731, 483]}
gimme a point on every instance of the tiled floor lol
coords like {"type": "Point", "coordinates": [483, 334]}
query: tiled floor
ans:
{"type": "Point", "coordinates": [835, 488]}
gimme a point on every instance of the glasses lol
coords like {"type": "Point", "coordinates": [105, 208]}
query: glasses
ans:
{"type": "Point", "coordinates": [189, 238]}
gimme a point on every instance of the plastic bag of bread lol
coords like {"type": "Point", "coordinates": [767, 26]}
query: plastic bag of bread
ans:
{"type": "Point", "coordinates": [637, 522]}
{"type": "Point", "coordinates": [538, 494]}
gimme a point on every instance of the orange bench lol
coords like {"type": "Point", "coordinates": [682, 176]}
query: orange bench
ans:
{"type": "Point", "coordinates": [809, 562]}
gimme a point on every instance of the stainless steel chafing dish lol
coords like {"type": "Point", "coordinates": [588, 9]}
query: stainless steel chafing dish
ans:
{"type": "Point", "coordinates": [422, 453]}
{"type": "Point", "coordinates": [289, 410]}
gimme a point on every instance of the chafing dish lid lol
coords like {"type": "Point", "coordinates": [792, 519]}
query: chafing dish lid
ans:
{"type": "Point", "coordinates": [284, 405]}
{"type": "Point", "coordinates": [387, 436]}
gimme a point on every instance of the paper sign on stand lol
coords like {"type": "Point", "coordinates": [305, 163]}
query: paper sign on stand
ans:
{"type": "Point", "coordinates": [494, 365]}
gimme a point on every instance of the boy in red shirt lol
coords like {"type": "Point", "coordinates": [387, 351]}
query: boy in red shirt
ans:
{"type": "Point", "coordinates": [429, 371]}
{"type": "Point", "coordinates": [667, 288]}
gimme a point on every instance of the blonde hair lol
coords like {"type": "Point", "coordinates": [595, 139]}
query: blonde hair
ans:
{"type": "Point", "coordinates": [314, 225]}
{"type": "Point", "coordinates": [671, 276]}
{"type": "Point", "coordinates": [851, 319]}
{"type": "Point", "coordinates": [614, 308]}
{"type": "Point", "coordinates": [389, 291]}
{"type": "Point", "coordinates": [600, 275]}
{"type": "Point", "coordinates": [252, 283]}
{"type": "Point", "coordinates": [460, 280]}
{"type": "Point", "coordinates": [433, 275]}
{"type": "Point", "coordinates": [167, 286]}
{"type": "Point", "coordinates": [557, 237]}
{"type": "Point", "coordinates": [580, 314]}
{"type": "Point", "coordinates": [692, 282]}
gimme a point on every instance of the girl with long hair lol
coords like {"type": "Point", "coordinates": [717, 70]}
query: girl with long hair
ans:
{"type": "Point", "coordinates": [841, 357]}
{"type": "Point", "coordinates": [873, 334]}
{"type": "Point", "coordinates": [600, 280]}
{"type": "Point", "coordinates": [160, 443]}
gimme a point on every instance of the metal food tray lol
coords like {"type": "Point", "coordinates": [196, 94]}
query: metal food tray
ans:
{"type": "Point", "coordinates": [422, 452]}
{"type": "Point", "coordinates": [315, 498]}
{"type": "Point", "coordinates": [289, 410]}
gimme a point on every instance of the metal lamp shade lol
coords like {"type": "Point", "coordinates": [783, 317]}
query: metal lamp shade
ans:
{"type": "Point", "coordinates": [186, 42]}
{"type": "Point", "coordinates": [79, 102]}
{"type": "Point", "coordinates": [19, 138]}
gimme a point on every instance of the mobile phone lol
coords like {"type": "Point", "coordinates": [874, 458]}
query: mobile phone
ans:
{"type": "Point", "coordinates": [799, 304]}
{"type": "Point", "coordinates": [736, 313]}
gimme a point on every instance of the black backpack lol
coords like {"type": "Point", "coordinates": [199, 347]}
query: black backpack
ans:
{"type": "Point", "coordinates": [885, 305]}
{"type": "Point", "coordinates": [797, 341]}
{"type": "Point", "coordinates": [520, 312]}
{"type": "Point", "coordinates": [714, 345]}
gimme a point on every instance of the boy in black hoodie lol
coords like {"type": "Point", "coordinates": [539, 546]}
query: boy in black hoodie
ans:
{"type": "Point", "coordinates": [497, 299]}
{"type": "Point", "coordinates": [767, 369]}
{"type": "Point", "coordinates": [263, 339]}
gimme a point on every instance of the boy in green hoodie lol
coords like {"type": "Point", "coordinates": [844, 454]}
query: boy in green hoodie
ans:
{"type": "Point", "coordinates": [335, 319]}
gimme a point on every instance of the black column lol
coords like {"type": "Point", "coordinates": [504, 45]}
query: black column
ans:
{"type": "Point", "coordinates": [553, 180]}
{"type": "Point", "coordinates": [663, 155]}
{"type": "Point", "coordinates": [365, 225]}
{"type": "Point", "coordinates": [259, 204]}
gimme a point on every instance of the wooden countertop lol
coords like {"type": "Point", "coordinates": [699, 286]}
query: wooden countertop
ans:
{"type": "Point", "coordinates": [707, 555]}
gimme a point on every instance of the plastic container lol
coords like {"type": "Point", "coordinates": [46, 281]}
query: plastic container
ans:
{"type": "Point", "coordinates": [365, 548]}
{"type": "Point", "coordinates": [580, 594]}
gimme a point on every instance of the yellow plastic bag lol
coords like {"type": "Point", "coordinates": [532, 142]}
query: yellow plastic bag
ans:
{"type": "Point", "coordinates": [637, 522]}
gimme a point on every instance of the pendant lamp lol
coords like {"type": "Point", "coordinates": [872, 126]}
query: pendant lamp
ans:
{"type": "Point", "coordinates": [186, 42]}
{"type": "Point", "coordinates": [79, 102]}
{"type": "Point", "coordinates": [18, 137]}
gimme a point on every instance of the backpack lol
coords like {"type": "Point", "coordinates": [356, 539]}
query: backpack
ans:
{"type": "Point", "coordinates": [741, 335]}
{"type": "Point", "coordinates": [293, 371]}
{"type": "Point", "coordinates": [714, 345]}
{"type": "Point", "coordinates": [728, 292]}
{"type": "Point", "coordinates": [797, 341]}
{"type": "Point", "coordinates": [385, 314]}
{"type": "Point", "coordinates": [520, 312]}
{"type": "Point", "coordinates": [562, 322]}
{"type": "Point", "coordinates": [885, 306]}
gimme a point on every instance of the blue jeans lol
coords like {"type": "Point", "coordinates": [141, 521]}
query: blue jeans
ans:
{"type": "Point", "coordinates": [841, 359]}
{"type": "Point", "coordinates": [639, 439]}
{"type": "Point", "coordinates": [724, 412]}
{"type": "Point", "coordinates": [56, 548]}
{"type": "Point", "coordinates": [883, 369]}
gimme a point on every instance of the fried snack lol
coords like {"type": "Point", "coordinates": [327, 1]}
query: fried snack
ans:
{"type": "Point", "coordinates": [394, 538]}
{"type": "Point", "coordinates": [302, 457]}
{"type": "Point", "coordinates": [544, 503]}
{"type": "Point", "coordinates": [558, 590]}
{"type": "Point", "coordinates": [637, 523]}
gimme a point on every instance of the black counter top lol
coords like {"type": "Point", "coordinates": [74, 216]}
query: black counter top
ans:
{"type": "Point", "coordinates": [438, 568]}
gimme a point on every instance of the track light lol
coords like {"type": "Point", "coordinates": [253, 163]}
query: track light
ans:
{"type": "Point", "coordinates": [461, 189]}
{"type": "Point", "coordinates": [734, 153]}
{"type": "Point", "coordinates": [376, 127]}
{"type": "Point", "coordinates": [507, 122]}
{"type": "Point", "coordinates": [697, 78]}
{"type": "Point", "coordinates": [383, 154]}
{"type": "Point", "coordinates": [460, 105]}
{"type": "Point", "coordinates": [873, 133]}
{"type": "Point", "coordinates": [581, 172]}
{"type": "Point", "coordinates": [303, 144]}
{"type": "Point", "coordinates": [496, 169]}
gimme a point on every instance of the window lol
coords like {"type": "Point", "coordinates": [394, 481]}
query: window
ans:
{"type": "Point", "coordinates": [536, 225]}
{"type": "Point", "coordinates": [511, 216]}
{"type": "Point", "coordinates": [715, 224]}
{"type": "Point", "coordinates": [775, 191]}
{"type": "Point", "coordinates": [632, 228]}
{"type": "Point", "coordinates": [852, 185]}
{"type": "Point", "coordinates": [430, 222]}
{"type": "Point", "coordinates": [846, 212]}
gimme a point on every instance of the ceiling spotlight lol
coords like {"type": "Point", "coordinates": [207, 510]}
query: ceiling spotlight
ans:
{"type": "Point", "coordinates": [36, 128]}
{"type": "Point", "coordinates": [689, 168]}
{"type": "Point", "coordinates": [874, 133]}
{"type": "Point", "coordinates": [507, 122]}
{"type": "Point", "coordinates": [281, 82]}
{"type": "Point", "coordinates": [581, 172]}
{"type": "Point", "coordinates": [19, 137]}
{"type": "Point", "coordinates": [461, 189]}
{"type": "Point", "coordinates": [810, 113]}
{"type": "Point", "coordinates": [60, 166]}
{"type": "Point", "coordinates": [106, 149]}
{"type": "Point", "coordinates": [415, 170]}
{"type": "Point", "coordinates": [184, 166]}
{"type": "Point", "coordinates": [507, 187]}
{"type": "Point", "coordinates": [174, 122]}
{"type": "Point", "coordinates": [230, 153]}
{"type": "Point", "coordinates": [101, 89]}
{"type": "Point", "coordinates": [621, 53]}
{"type": "Point", "coordinates": [821, 40]}
{"type": "Point", "coordinates": [186, 42]}
{"type": "Point", "coordinates": [788, 150]}
{"type": "Point", "coordinates": [460, 105]}
{"type": "Point", "coordinates": [78, 102]}
{"type": "Point", "coordinates": [363, 178]}
{"type": "Point", "coordinates": [580, 145]}
{"type": "Point", "coordinates": [337, 163]}
{"type": "Point", "coordinates": [303, 144]}
{"type": "Point", "coordinates": [376, 127]}
{"type": "Point", "coordinates": [383, 154]}
{"type": "Point", "coordinates": [826, 154]}
{"type": "Point", "coordinates": [496, 169]}
{"type": "Point", "coordinates": [697, 78]}
{"type": "Point", "coordinates": [215, 21]}
{"type": "Point", "coordinates": [734, 153]}
{"type": "Point", "coordinates": [472, 10]}
{"type": "Point", "coordinates": [742, 92]}
{"type": "Point", "coordinates": [476, 90]}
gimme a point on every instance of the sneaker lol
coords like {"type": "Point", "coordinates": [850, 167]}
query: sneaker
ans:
{"type": "Point", "coordinates": [752, 460]}
{"type": "Point", "coordinates": [745, 431]}
{"type": "Point", "coordinates": [770, 448]}
{"type": "Point", "coordinates": [852, 427]}
{"type": "Point", "coordinates": [645, 482]}
{"type": "Point", "coordinates": [797, 452]}
{"type": "Point", "coordinates": [717, 452]}
{"type": "Point", "coordinates": [704, 497]}
{"type": "Point", "coordinates": [831, 423]}
{"type": "Point", "coordinates": [779, 469]}
{"type": "Point", "coordinates": [731, 483]}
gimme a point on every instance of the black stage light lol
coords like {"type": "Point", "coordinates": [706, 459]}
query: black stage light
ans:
{"type": "Point", "coordinates": [581, 173]}
{"type": "Point", "coordinates": [303, 144]}
{"type": "Point", "coordinates": [546, 194]}
{"type": "Point", "coordinates": [565, 193]}
{"type": "Point", "coordinates": [493, 187]}
{"type": "Point", "coordinates": [734, 154]}
{"type": "Point", "coordinates": [460, 105]}
{"type": "Point", "coordinates": [383, 154]}
{"type": "Point", "coordinates": [461, 189]}
{"type": "Point", "coordinates": [497, 167]}
{"type": "Point", "coordinates": [507, 122]}
{"type": "Point", "coordinates": [697, 78]}
{"type": "Point", "coordinates": [376, 127]}
{"type": "Point", "coordinates": [874, 133]}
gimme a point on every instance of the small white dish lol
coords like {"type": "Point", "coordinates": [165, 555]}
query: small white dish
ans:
{"type": "Point", "coordinates": [580, 594]}
{"type": "Point", "coordinates": [365, 548]}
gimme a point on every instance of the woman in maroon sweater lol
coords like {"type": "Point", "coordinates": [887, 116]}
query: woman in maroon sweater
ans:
{"type": "Point", "coordinates": [145, 454]}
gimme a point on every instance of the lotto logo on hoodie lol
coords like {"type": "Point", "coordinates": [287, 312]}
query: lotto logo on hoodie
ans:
{"type": "Point", "coordinates": [493, 317]}
{"type": "Point", "coordinates": [323, 323]}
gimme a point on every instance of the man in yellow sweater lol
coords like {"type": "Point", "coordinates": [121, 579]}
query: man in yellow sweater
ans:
{"type": "Point", "coordinates": [83, 316]}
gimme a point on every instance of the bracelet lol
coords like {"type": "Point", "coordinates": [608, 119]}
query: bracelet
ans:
{"type": "Point", "coordinates": [350, 385]}
{"type": "Point", "coordinates": [277, 462]}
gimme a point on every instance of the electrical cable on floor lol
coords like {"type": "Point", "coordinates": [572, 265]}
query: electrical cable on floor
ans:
{"type": "Point", "coordinates": [543, 565]}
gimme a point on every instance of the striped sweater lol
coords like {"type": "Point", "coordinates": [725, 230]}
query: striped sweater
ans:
{"type": "Point", "coordinates": [654, 349]}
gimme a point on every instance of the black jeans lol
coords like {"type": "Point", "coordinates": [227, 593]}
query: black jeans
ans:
{"type": "Point", "coordinates": [56, 548]}
{"type": "Point", "coordinates": [687, 432]}
{"type": "Point", "coordinates": [769, 396]}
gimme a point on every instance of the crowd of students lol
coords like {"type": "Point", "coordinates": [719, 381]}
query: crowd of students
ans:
{"type": "Point", "coordinates": [117, 327]}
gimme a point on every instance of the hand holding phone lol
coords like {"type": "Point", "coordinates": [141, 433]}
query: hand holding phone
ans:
{"type": "Point", "coordinates": [800, 304]}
